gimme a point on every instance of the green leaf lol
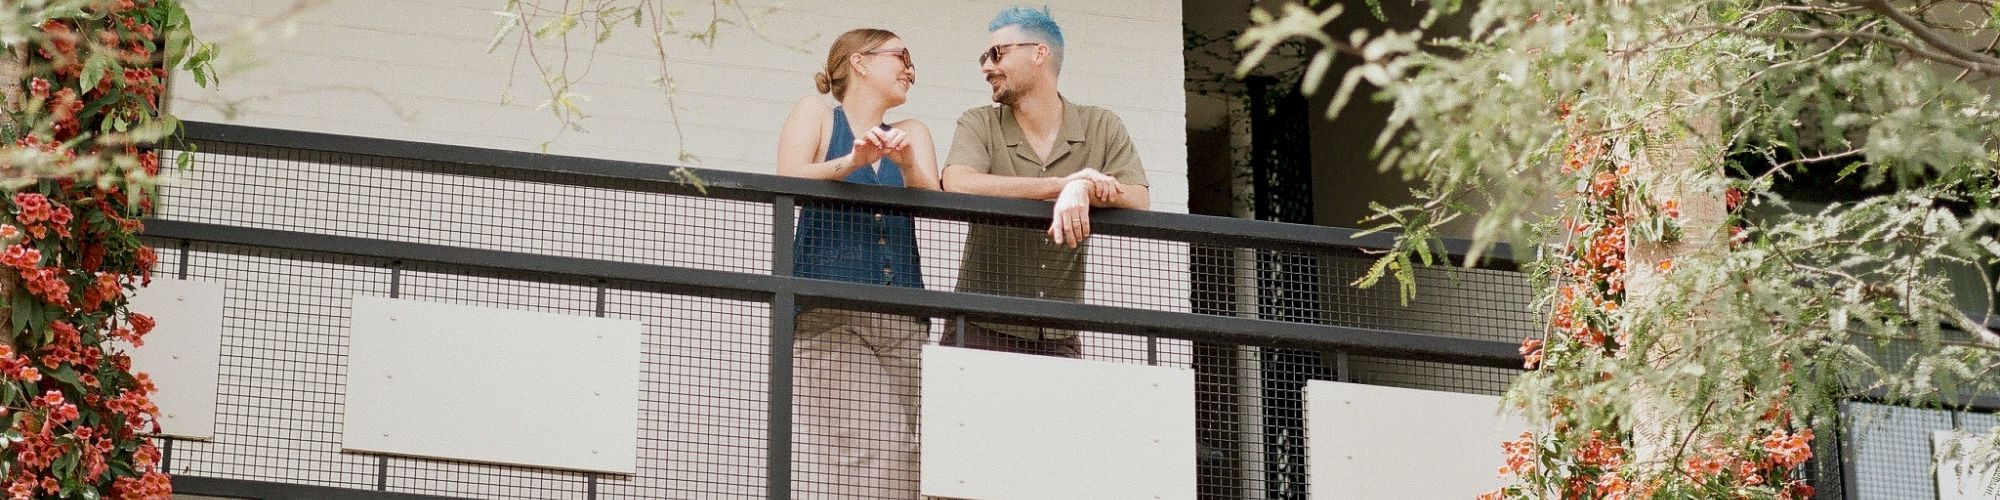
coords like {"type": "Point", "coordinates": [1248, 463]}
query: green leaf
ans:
{"type": "Point", "coordinates": [1316, 71]}
{"type": "Point", "coordinates": [1423, 252]}
{"type": "Point", "coordinates": [67, 375]}
{"type": "Point", "coordinates": [1375, 272]}
{"type": "Point", "coordinates": [25, 307]}
{"type": "Point", "coordinates": [93, 71]}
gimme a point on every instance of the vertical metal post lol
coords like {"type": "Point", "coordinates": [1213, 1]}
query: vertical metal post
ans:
{"type": "Point", "coordinates": [395, 291]}
{"type": "Point", "coordinates": [958, 331]}
{"type": "Point", "coordinates": [784, 314]}
{"type": "Point", "coordinates": [182, 273]}
{"type": "Point", "coordinates": [167, 454]}
{"type": "Point", "coordinates": [590, 484]}
{"type": "Point", "coordinates": [396, 279]}
{"type": "Point", "coordinates": [1342, 373]}
{"type": "Point", "coordinates": [1849, 486]}
{"type": "Point", "coordinates": [601, 292]}
{"type": "Point", "coordinates": [782, 235]}
{"type": "Point", "coordinates": [778, 462]}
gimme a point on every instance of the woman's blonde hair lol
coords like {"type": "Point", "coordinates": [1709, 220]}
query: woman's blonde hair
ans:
{"type": "Point", "coordinates": [833, 80]}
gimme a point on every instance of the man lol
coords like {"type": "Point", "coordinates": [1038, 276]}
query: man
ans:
{"type": "Point", "coordinates": [1034, 144]}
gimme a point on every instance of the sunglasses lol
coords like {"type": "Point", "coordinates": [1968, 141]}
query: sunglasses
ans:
{"type": "Point", "coordinates": [992, 54]}
{"type": "Point", "coordinates": [901, 53]}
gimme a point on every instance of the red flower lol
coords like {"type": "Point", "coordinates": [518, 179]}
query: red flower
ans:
{"type": "Point", "coordinates": [141, 324]}
{"type": "Point", "coordinates": [22, 258]}
{"type": "Point", "coordinates": [33, 206]}
{"type": "Point", "coordinates": [1604, 184]}
{"type": "Point", "coordinates": [1520, 455]}
{"type": "Point", "coordinates": [1789, 450]}
{"type": "Point", "coordinates": [1531, 351]}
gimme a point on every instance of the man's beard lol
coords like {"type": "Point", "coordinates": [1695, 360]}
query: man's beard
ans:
{"type": "Point", "coordinates": [1006, 96]}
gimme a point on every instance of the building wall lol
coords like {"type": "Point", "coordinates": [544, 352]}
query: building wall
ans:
{"type": "Point", "coordinates": [419, 70]}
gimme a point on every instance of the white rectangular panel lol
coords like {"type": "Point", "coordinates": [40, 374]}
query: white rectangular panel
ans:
{"type": "Point", "coordinates": [492, 385]}
{"type": "Point", "coordinates": [1000, 426]}
{"type": "Point", "coordinates": [1952, 484]}
{"type": "Point", "coordinates": [183, 352]}
{"type": "Point", "coordinates": [1365, 441]}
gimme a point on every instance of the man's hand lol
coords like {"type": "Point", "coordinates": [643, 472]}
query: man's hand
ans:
{"type": "Point", "coordinates": [1105, 188]}
{"type": "Point", "coordinates": [1072, 215]}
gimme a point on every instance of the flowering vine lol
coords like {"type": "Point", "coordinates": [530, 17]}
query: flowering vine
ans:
{"type": "Point", "coordinates": [82, 117]}
{"type": "Point", "coordinates": [1590, 456]}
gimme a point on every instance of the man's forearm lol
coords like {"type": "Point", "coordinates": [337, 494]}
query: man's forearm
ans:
{"type": "Point", "coordinates": [1129, 196]}
{"type": "Point", "coordinates": [960, 179]}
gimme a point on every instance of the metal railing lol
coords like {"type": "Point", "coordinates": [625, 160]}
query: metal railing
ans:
{"type": "Point", "coordinates": [295, 224]}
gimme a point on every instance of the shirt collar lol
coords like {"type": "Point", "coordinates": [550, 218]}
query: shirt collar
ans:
{"type": "Point", "coordinates": [1072, 123]}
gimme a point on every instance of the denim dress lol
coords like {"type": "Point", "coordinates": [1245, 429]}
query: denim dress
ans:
{"type": "Point", "coordinates": [850, 242]}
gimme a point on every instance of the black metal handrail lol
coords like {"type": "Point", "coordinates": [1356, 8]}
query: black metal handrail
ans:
{"type": "Point", "coordinates": [743, 186]}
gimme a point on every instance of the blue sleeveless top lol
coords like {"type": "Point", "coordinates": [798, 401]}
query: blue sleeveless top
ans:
{"type": "Point", "coordinates": [851, 242]}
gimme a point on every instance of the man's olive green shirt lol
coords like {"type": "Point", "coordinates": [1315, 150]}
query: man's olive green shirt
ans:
{"type": "Point", "coordinates": [1023, 262]}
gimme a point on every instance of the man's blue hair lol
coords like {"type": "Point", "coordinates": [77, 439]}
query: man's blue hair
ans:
{"type": "Point", "coordinates": [1037, 25]}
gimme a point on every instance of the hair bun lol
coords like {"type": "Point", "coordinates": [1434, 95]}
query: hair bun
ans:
{"type": "Point", "coordinates": [821, 82]}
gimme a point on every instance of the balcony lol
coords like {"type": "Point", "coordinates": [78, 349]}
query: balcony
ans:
{"type": "Point", "coordinates": [294, 227]}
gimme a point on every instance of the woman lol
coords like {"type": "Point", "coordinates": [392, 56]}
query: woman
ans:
{"type": "Point", "coordinates": [857, 373]}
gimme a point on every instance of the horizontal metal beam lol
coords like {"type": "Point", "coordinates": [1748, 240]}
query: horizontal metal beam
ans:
{"type": "Point", "coordinates": [650, 177]}
{"type": "Point", "coordinates": [269, 490]}
{"type": "Point", "coordinates": [1977, 403]}
{"type": "Point", "coordinates": [822, 293]}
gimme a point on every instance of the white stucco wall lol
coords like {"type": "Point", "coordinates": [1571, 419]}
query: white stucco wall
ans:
{"type": "Point", "coordinates": [418, 70]}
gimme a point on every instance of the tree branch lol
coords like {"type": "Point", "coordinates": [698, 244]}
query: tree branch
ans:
{"type": "Point", "coordinates": [1985, 63]}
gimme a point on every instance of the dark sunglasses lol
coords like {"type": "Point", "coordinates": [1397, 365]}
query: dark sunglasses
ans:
{"type": "Point", "coordinates": [902, 53]}
{"type": "Point", "coordinates": [993, 53]}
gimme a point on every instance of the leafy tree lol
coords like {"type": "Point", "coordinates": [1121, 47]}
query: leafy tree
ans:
{"type": "Point", "coordinates": [1701, 324]}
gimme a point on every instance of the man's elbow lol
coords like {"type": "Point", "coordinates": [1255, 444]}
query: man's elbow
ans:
{"type": "Point", "coordinates": [1139, 198]}
{"type": "Point", "coordinates": [952, 179]}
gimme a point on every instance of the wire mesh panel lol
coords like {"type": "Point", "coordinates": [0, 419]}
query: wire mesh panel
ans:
{"type": "Point", "coordinates": [858, 382]}
{"type": "Point", "coordinates": [703, 386]}
{"type": "Point", "coordinates": [704, 396]}
{"type": "Point", "coordinates": [1017, 258]}
{"type": "Point", "coordinates": [443, 203]}
{"type": "Point", "coordinates": [1890, 447]}
{"type": "Point", "coordinates": [282, 384]}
